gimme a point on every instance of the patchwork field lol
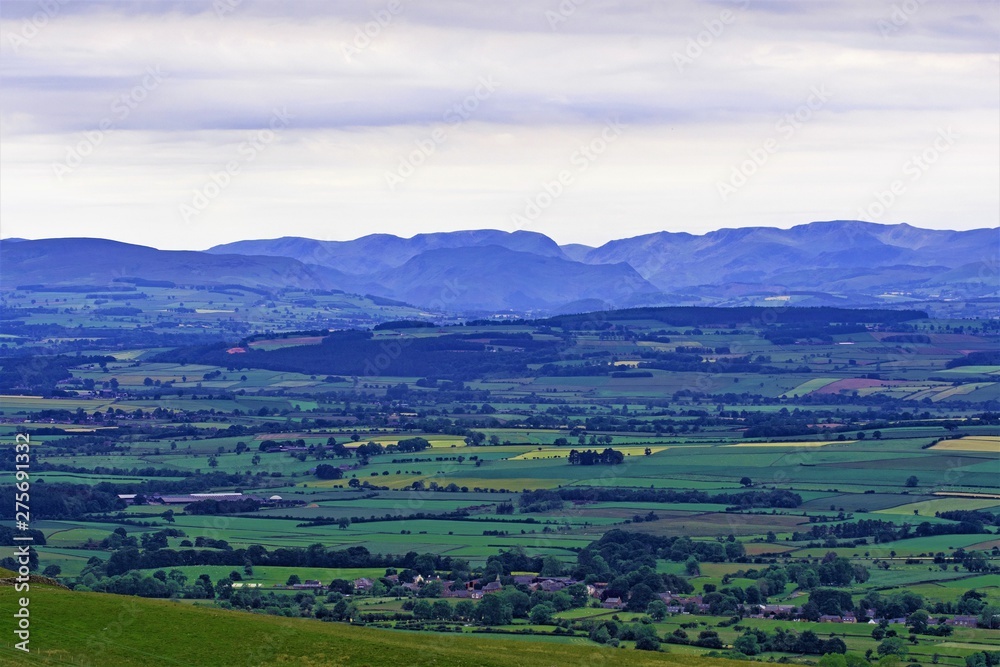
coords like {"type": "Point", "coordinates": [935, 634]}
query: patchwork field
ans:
{"type": "Point", "coordinates": [819, 462]}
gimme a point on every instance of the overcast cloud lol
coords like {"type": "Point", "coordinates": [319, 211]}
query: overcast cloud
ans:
{"type": "Point", "coordinates": [187, 124]}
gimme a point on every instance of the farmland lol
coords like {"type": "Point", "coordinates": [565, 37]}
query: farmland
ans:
{"type": "Point", "coordinates": [402, 466]}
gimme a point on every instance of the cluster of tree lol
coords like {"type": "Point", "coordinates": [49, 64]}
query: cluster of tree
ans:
{"type": "Point", "coordinates": [612, 633]}
{"type": "Point", "coordinates": [982, 358]}
{"type": "Point", "coordinates": [37, 374]}
{"type": "Point", "coordinates": [971, 516]}
{"type": "Point", "coordinates": [585, 369]}
{"type": "Point", "coordinates": [693, 316]}
{"type": "Point", "coordinates": [754, 641]}
{"type": "Point", "coordinates": [787, 335]}
{"type": "Point", "coordinates": [542, 500]}
{"type": "Point", "coordinates": [512, 560]}
{"type": "Point", "coordinates": [682, 363]}
{"type": "Point", "coordinates": [500, 608]}
{"type": "Point", "coordinates": [831, 570]}
{"type": "Point", "coordinates": [402, 324]}
{"type": "Point", "coordinates": [335, 608]}
{"type": "Point", "coordinates": [327, 471]}
{"type": "Point", "coordinates": [591, 457]}
{"type": "Point", "coordinates": [971, 603]}
{"type": "Point", "coordinates": [973, 561]}
{"type": "Point", "coordinates": [895, 605]}
{"type": "Point", "coordinates": [887, 531]}
{"type": "Point", "coordinates": [740, 499]}
{"type": "Point", "coordinates": [406, 446]}
{"type": "Point", "coordinates": [316, 555]}
{"type": "Point", "coordinates": [8, 534]}
{"type": "Point", "coordinates": [983, 659]}
{"type": "Point", "coordinates": [62, 501]}
{"type": "Point", "coordinates": [352, 352]}
{"type": "Point", "coordinates": [623, 553]}
{"type": "Point", "coordinates": [158, 585]}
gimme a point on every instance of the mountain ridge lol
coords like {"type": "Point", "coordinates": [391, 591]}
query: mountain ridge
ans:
{"type": "Point", "coordinates": [491, 270]}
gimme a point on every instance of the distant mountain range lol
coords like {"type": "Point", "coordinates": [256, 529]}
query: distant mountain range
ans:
{"type": "Point", "coordinates": [820, 263]}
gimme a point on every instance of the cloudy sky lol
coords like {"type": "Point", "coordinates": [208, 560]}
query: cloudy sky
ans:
{"type": "Point", "coordinates": [190, 123]}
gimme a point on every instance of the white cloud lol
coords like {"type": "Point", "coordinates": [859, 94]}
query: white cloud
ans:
{"type": "Point", "coordinates": [557, 83]}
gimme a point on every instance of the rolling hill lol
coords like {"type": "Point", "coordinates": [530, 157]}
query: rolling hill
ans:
{"type": "Point", "coordinates": [377, 252]}
{"type": "Point", "coordinates": [844, 263]}
{"type": "Point", "coordinates": [495, 278]}
{"type": "Point", "coordinates": [791, 257]}
{"type": "Point", "coordinates": [86, 261]}
{"type": "Point", "coordinates": [137, 632]}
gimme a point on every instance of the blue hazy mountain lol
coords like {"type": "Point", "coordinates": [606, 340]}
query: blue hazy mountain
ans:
{"type": "Point", "coordinates": [375, 252]}
{"type": "Point", "coordinates": [840, 262]}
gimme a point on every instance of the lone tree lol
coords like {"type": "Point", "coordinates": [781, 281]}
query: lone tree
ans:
{"type": "Point", "coordinates": [912, 481]}
{"type": "Point", "coordinates": [746, 481]}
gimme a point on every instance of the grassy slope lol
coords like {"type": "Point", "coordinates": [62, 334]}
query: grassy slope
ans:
{"type": "Point", "coordinates": [69, 627]}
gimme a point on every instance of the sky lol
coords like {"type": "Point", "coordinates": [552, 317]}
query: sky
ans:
{"type": "Point", "coordinates": [187, 124]}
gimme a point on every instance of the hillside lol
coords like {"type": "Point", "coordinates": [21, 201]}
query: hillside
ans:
{"type": "Point", "coordinates": [493, 278]}
{"type": "Point", "coordinates": [86, 261]}
{"type": "Point", "coordinates": [789, 257]}
{"type": "Point", "coordinates": [377, 252]}
{"type": "Point", "coordinates": [131, 631]}
{"type": "Point", "coordinates": [844, 263]}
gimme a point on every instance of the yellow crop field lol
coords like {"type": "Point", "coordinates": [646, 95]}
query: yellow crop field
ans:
{"type": "Point", "coordinates": [563, 452]}
{"type": "Point", "coordinates": [929, 507]}
{"type": "Point", "coordinates": [972, 443]}
{"type": "Point", "coordinates": [805, 443]}
{"type": "Point", "coordinates": [437, 441]}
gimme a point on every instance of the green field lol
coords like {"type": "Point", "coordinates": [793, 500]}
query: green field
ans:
{"type": "Point", "coordinates": [128, 632]}
{"type": "Point", "coordinates": [781, 456]}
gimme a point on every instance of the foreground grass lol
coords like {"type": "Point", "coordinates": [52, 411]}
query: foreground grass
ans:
{"type": "Point", "coordinates": [76, 628]}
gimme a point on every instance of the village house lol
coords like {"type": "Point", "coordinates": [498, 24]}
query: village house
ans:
{"type": "Point", "coordinates": [963, 621]}
{"type": "Point", "coordinates": [596, 589]}
{"type": "Point", "coordinates": [493, 587]}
